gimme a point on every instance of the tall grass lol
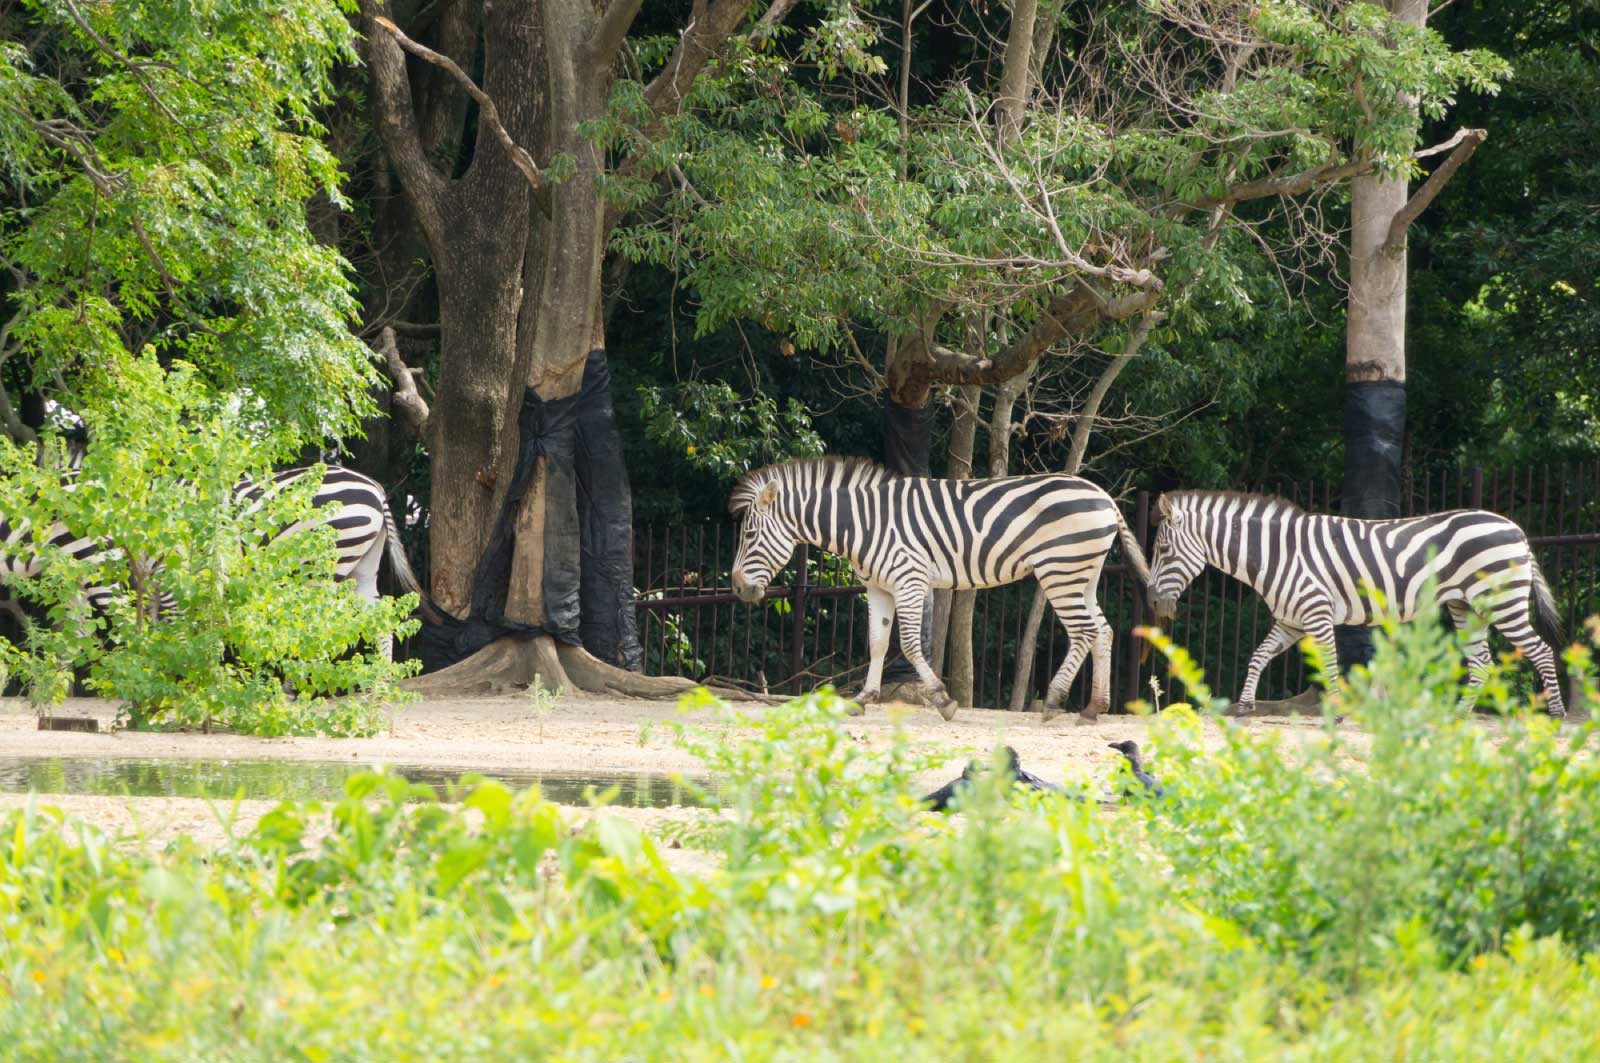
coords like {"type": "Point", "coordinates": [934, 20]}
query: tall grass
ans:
{"type": "Point", "coordinates": [1425, 892]}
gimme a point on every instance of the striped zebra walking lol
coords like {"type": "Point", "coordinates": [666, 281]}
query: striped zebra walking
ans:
{"type": "Point", "coordinates": [1314, 572]}
{"type": "Point", "coordinates": [905, 536]}
{"type": "Point", "coordinates": [364, 531]}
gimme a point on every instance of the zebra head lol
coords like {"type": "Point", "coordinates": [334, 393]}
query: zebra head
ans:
{"type": "Point", "coordinates": [1179, 557]}
{"type": "Point", "coordinates": [765, 541]}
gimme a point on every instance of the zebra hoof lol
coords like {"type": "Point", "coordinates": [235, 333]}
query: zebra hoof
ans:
{"type": "Point", "coordinates": [946, 705]}
{"type": "Point", "coordinates": [855, 708]}
{"type": "Point", "coordinates": [1240, 708]}
{"type": "Point", "coordinates": [1046, 711]}
{"type": "Point", "coordinates": [1088, 719]}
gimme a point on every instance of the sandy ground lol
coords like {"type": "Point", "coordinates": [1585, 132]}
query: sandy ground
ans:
{"type": "Point", "coordinates": [578, 733]}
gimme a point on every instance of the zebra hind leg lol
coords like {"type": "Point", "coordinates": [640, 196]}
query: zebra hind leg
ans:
{"type": "Point", "coordinates": [1079, 643]}
{"type": "Point", "coordinates": [909, 608]}
{"type": "Point", "coordinates": [1538, 652]}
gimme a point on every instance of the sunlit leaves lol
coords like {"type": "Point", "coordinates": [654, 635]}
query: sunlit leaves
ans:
{"type": "Point", "coordinates": [160, 159]}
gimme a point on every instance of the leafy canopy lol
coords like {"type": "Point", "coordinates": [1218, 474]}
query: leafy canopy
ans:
{"type": "Point", "coordinates": [157, 161]}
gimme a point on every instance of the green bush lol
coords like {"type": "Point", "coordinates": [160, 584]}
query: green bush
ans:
{"type": "Point", "coordinates": [256, 612]}
{"type": "Point", "coordinates": [1282, 902]}
{"type": "Point", "coordinates": [1463, 832]}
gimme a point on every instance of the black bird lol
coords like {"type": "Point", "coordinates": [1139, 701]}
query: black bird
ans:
{"type": "Point", "coordinates": [1130, 752]}
{"type": "Point", "coordinates": [940, 799]}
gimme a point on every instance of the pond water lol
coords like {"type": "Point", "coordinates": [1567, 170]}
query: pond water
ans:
{"type": "Point", "coordinates": [282, 780]}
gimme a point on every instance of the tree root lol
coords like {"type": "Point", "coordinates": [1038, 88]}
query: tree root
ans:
{"type": "Point", "coordinates": [511, 665]}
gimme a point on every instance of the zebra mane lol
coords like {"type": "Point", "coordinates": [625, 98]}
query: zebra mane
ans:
{"type": "Point", "coordinates": [1279, 503]}
{"type": "Point", "coordinates": [813, 473]}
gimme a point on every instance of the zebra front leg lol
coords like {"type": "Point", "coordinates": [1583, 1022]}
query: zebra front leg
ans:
{"type": "Point", "coordinates": [880, 619]}
{"type": "Point", "coordinates": [1280, 638]}
{"type": "Point", "coordinates": [908, 604]}
{"type": "Point", "coordinates": [1476, 645]}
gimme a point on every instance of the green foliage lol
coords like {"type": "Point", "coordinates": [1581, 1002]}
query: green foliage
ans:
{"type": "Point", "coordinates": [255, 610]}
{"type": "Point", "coordinates": [1436, 902]}
{"type": "Point", "coordinates": [1448, 837]}
{"type": "Point", "coordinates": [724, 433]}
{"type": "Point", "coordinates": [157, 162]}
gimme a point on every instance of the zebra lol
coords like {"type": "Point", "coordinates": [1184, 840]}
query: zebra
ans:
{"type": "Point", "coordinates": [1314, 572]}
{"type": "Point", "coordinates": [904, 536]}
{"type": "Point", "coordinates": [364, 531]}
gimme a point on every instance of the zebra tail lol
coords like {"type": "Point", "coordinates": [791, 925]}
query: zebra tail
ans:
{"type": "Point", "coordinates": [402, 567]}
{"type": "Point", "coordinates": [1132, 551]}
{"type": "Point", "coordinates": [1546, 617]}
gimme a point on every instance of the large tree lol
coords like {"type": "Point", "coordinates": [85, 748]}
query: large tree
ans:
{"type": "Point", "coordinates": [562, 140]}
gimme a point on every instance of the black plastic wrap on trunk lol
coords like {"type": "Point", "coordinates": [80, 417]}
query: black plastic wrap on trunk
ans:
{"type": "Point", "coordinates": [608, 624]}
{"type": "Point", "coordinates": [545, 429]}
{"type": "Point", "coordinates": [1374, 442]}
{"type": "Point", "coordinates": [908, 451]}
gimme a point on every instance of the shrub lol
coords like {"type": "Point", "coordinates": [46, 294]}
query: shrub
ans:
{"type": "Point", "coordinates": [255, 611]}
{"type": "Point", "coordinates": [1450, 828]}
{"type": "Point", "coordinates": [1225, 921]}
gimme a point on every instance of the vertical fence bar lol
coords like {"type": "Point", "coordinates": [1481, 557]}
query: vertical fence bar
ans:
{"type": "Point", "coordinates": [797, 617]}
{"type": "Point", "coordinates": [1141, 532]}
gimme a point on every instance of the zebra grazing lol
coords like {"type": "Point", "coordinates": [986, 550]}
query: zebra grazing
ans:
{"type": "Point", "coordinates": [905, 536]}
{"type": "Point", "coordinates": [1314, 572]}
{"type": "Point", "coordinates": [364, 531]}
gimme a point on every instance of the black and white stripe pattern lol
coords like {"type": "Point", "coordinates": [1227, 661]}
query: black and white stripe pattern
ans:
{"type": "Point", "coordinates": [1314, 572]}
{"type": "Point", "coordinates": [905, 536]}
{"type": "Point", "coordinates": [355, 506]}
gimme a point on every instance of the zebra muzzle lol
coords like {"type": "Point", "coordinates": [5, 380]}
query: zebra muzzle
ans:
{"type": "Point", "coordinates": [748, 592]}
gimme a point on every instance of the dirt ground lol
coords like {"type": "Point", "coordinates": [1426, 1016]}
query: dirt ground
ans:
{"type": "Point", "coordinates": [579, 733]}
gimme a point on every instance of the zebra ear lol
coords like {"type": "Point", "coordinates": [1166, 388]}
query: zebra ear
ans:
{"type": "Point", "coordinates": [768, 495]}
{"type": "Point", "coordinates": [1164, 507]}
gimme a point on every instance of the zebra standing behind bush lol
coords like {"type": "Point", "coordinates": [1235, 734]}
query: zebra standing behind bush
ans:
{"type": "Point", "coordinates": [353, 505]}
{"type": "Point", "coordinates": [904, 536]}
{"type": "Point", "coordinates": [1314, 572]}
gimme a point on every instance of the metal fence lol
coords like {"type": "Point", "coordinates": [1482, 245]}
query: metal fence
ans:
{"type": "Point", "coordinates": [812, 628]}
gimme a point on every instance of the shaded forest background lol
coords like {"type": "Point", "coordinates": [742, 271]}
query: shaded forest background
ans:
{"type": "Point", "coordinates": [1502, 320]}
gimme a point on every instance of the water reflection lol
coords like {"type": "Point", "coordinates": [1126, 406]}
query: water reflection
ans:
{"type": "Point", "coordinates": [284, 780]}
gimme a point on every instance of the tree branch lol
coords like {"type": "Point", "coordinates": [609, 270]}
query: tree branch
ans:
{"type": "Point", "coordinates": [1464, 143]}
{"type": "Point", "coordinates": [1072, 312]}
{"type": "Point", "coordinates": [397, 121]}
{"type": "Point", "coordinates": [1285, 184]}
{"type": "Point", "coordinates": [486, 108]}
{"type": "Point", "coordinates": [1097, 394]}
{"type": "Point", "coordinates": [410, 404]}
{"type": "Point", "coordinates": [612, 31]}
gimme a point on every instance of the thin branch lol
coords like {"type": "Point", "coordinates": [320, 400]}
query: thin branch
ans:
{"type": "Point", "coordinates": [1466, 142]}
{"type": "Point", "coordinates": [132, 67]}
{"type": "Point", "coordinates": [487, 111]}
{"type": "Point", "coordinates": [412, 407]}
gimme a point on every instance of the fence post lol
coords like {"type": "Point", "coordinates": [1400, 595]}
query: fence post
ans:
{"type": "Point", "coordinates": [797, 618]}
{"type": "Point", "coordinates": [1141, 530]}
{"type": "Point", "coordinates": [1475, 495]}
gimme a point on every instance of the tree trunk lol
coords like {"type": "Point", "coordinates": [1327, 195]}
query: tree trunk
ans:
{"type": "Point", "coordinates": [957, 634]}
{"type": "Point", "coordinates": [1375, 356]}
{"type": "Point", "coordinates": [518, 263]}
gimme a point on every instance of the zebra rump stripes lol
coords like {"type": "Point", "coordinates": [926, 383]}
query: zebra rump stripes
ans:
{"type": "Point", "coordinates": [905, 535]}
{"type": "Point", "coordinates": [1314, 572]}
